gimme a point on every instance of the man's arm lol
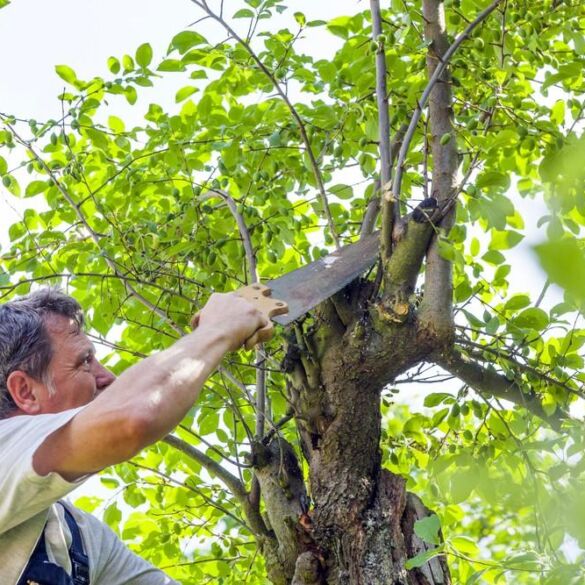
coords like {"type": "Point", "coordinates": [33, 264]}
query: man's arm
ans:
{"type": "Point", "coordinates": [149, 399]}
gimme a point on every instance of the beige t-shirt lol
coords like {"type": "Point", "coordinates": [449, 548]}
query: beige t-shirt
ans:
{"type": "Point", "coordinates": [27, 504]}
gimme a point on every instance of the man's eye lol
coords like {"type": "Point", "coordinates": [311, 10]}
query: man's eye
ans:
{"type": "Point", "coordinates": [87, 361]}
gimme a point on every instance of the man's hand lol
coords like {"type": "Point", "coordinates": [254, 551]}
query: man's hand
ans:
{"type": "Point", "coordinates": [235, 318]}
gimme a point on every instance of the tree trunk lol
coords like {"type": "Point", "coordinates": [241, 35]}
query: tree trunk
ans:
{"type": "Point", "coordinates": [359, 528]}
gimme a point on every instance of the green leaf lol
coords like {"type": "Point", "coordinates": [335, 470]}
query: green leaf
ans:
{"type": "Point", "coordinates": [342, 191]}
{"type": "Point", "coordinates": [4, 3]}
{"type": "Point", "coordinates": [113, 65]}
{"type": "Point", "coordinates": [110, 482]}
{"type": "Point", "coordinates": [492, 179]}
{"type": "Point", "coordinates": [171, 65]}
{"type": "Point", "coordinates": [517, 302]}
{"type": "Point", "coordinates": [428, 529]}
{"type": "Point", "coordinates": [127, 63]}
{"type": "Point", "coordinates": [3, 166]}
{"type": "Point", "coordinates": [564, 263]}
{"type": "Point", "coordinates": [300, 18]}
{"type": "Point", "coordinates": [66, 73]}
{"type": "Point", "coordinates": [113, 516]}
{"type": "Point", "coordinates": [422, 558]}
{"type": "Point", "coordinates": [244, 13]}
{"type": "Point", "coordinates": [184, 93]}
{"type": "Point", "coordinates": [36, 187]}
{"type": "Point", "coordinates": [16, 231]}
{"type": "Point", "coordinates": [187, 39]}
{"type": "Point", "coordinates": [464, 545]}
{"type": "Point", "coordinates": [474, 578]}
{"type": "Point", "coordinates": [557, 113]}
{"type": "Point", "coordinates": [144, 55]}
{"type": "Point", "coordinates": [116, 124]}
{"type": "Point", "coordinates": [532, 318]}
{"type": "Point", "coordinates": [494, 257]}
{"type": "Point", "coordinates": [437, 398]}
{"type": "Point", "coordinates": [131, 95]}
{"type": "Point", "coordinates": [339, 26]}
{"type": "Point", "coordinates": [505, 239]}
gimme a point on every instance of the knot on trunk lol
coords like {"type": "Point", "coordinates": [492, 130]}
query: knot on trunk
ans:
{"type": "Point", "coordinates": [308, 570]}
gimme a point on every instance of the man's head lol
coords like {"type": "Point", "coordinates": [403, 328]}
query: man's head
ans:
{"type": "Point", "coordinates": [47, 363]}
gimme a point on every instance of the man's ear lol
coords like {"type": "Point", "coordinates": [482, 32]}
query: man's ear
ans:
{"type": "Point", "coordinates": [24, 392]}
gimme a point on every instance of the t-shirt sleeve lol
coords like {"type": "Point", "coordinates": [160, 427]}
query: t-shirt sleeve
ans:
{"type": "Point", "coordinates": [110, 559]}
{"type": "Point", "coordinates": [23, 492]}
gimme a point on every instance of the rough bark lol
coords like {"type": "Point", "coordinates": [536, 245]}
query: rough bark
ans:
{"type": "Point", "coordinates": [361, 521]}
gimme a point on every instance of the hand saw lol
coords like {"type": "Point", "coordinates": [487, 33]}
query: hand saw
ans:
{"type": "Point", "coordinates": [285, 299]}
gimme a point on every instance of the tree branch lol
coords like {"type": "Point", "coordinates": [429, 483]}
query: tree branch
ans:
{"type": "Point", "coordinates": [411, 240]}
{"type": "Point", "coordinates": [390, 208]}
{"type": "Point", "coordinates": [244, 233]}
{"type": "Point", "coordinates": [315, 167]}
{"type": "Point", "coordinates": [231, 481]}
{"type": "Point", "coordinates": [253, 277]}
{"type": "Point", "coordinates": [236, 487]}
{"type": "Point", "coordinates": [373, 207]}
{"type": "Point", "coordinates": [491, 383]}
{"type": "Point", "coordinates": [523, 367]}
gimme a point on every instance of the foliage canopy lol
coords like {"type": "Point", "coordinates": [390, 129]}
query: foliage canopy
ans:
{"type": "Point", "coordinates": [143, 220]}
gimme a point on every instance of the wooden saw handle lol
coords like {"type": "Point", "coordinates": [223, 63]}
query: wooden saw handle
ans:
{"type": "Point", "coordinates": [259, 295]}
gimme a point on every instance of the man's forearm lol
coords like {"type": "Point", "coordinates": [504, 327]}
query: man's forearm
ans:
{"type": "Point", "coordinates": [169, 382]}
{"type": "Point", "coordinates": [144, 404]}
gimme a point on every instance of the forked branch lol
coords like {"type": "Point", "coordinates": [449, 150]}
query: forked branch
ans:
{"type": "Point", "coordinates": [235, 486]}
{"type": "Point", "coordinates": [422, 102]}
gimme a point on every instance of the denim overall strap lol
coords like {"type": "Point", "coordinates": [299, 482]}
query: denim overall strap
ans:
{"type": "Point", "coordinates": [41, 571]}
{"type": "Point", "coordinates": [79, 560]}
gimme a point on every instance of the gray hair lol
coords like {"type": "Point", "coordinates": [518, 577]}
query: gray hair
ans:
{"type": "Point", "coordinates": [25, 343]}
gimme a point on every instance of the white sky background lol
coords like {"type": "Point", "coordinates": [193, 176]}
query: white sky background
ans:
{"type": "Point", "coordinates": [36, 35]}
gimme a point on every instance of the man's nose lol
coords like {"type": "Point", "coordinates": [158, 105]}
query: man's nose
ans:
{"type": "Point", "coordinates": [103, 377]}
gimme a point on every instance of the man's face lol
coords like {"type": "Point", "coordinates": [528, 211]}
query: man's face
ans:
{"type": "Point", "coordinates": [78, 377]}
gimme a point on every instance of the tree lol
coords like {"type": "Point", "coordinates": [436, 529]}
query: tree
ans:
{"type": "Point", "coordinates": [298, 465]}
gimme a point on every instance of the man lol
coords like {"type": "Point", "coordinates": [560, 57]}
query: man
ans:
{"type": "Point", "coordinates": [64, 416]}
